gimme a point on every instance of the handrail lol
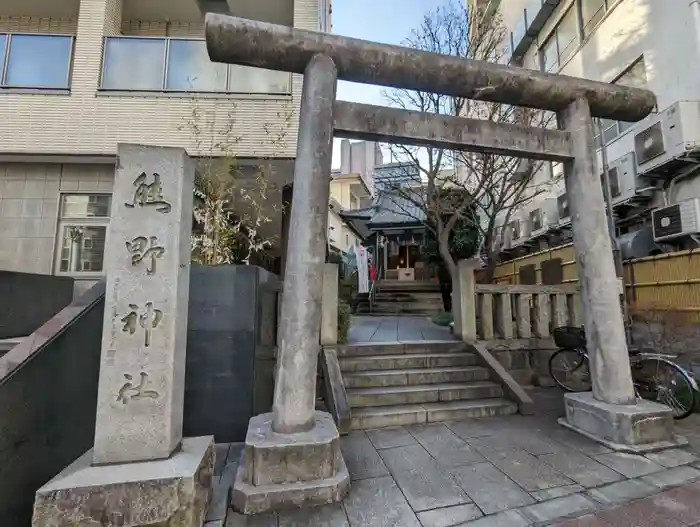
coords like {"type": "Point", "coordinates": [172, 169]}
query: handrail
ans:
{"type": "Point", "coordinates": [373, 288]}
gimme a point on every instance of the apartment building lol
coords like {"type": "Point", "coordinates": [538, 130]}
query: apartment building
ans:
{"type": "Point", "coordinates": [79, 76]}
{"type": "Point", "coordinates": [653, 164]}
{"type": "Point", "coordinates": [351, 188]}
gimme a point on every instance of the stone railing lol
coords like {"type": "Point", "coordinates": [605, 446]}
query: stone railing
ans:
{"type": "Point", "coordinates": [525, 311]}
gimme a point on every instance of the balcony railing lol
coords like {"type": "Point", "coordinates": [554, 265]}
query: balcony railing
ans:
{"type": "Point", "coordinates": [35, 61]}
{"type": "Point", "coordinates": [181, 65]}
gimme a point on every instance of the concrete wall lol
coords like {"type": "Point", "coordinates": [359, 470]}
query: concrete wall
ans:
{"type": "Point", "coordinates": [29, 300]}
{"type": "Point", "coordinates": [48, 396]}
{"type": "Point", "coordinates": [87, 121]}
{"type": "Point", "coordinates": [230, 358]}
{"type": "Point", "coordinates": [29, 202]}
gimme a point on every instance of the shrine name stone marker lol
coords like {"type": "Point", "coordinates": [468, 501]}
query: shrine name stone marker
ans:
{"type": "Point", "coordinates": [142, 374]}
{"type": "Point", "coordinates": [141, 471]}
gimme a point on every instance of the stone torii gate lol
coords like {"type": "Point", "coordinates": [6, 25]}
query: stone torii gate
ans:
{"type": "Point", "coordinates": [292, 455]}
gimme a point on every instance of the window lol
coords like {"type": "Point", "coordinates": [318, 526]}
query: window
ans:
{"type": "Point", "coordinates": [636, 77]}
{"type": "Point", "coordinates": [561, 44]}
{"type": "Point", "coordinates": [567, 35]}
{"type": "Point", "coordinates": [592, 12]}
{"type": "Point", "coordinates": [536, 219]}
{"type": "Point", "coordinates": [556, 169]}
{"type": "Point", "coordinates": [515, 229]}
{"type": "Point", "coordinates": [563, 207]}
{"type": "Point", "coordinates": [189, 68]}
{"type": "Point", "coordinates": [181, 65]}
{"type": "Point", "coordinates": [35, 61]}
{"type": "Point", "coordinates": [81, 233]}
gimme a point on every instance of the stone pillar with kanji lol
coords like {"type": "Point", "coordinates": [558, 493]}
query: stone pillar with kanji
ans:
{"type": "Point", "coordinates": [141, 470]}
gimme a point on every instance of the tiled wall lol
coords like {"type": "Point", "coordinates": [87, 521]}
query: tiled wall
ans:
{"type": "Point", "coordinates": [29, 198]}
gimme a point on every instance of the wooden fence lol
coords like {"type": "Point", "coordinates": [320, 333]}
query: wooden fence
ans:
{"type": "Point", "coordinates": [655, 284]}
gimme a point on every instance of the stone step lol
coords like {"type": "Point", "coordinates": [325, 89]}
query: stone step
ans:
{"type": "Point", "coordinates": [402, 377]}
{"type": "Point", "coordinates": [423, 393]}
{"type": "Point", "coordinates": [397, 348]}
{"type": "Point", "coordinates": [385, 312]}
{"type": "Point", "coordinates": [407, 414]}
{"type": "Point", "coordinates": [408, 297]}
{"type": "Point", "coordinates": [403, 360]}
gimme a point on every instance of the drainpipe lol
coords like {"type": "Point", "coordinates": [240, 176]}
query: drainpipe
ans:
{"type": "Point", "coordinates": [695, 8]}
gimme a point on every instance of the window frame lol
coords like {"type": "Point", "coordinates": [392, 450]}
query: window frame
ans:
{"type": "Point", "coordinates": [601, 141]}
{"type": "Point", "coordinates": [5, 61]}
{"type": "Point", "coordinates": [63, 222]}
{"type": "Point", "coordinates": [164, 72]}
{"type": "Point", "coordinates": [583, 32]}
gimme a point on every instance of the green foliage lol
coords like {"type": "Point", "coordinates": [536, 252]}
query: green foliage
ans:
{"type": "Point", "coordinates": [464, 242]}
{"type": "Point", "coordinates": [344, 316]}
{"type": "Point", "coordinates": [443, 319]}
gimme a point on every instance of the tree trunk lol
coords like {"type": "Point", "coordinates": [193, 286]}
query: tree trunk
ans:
{"type": "Point", "coordinates": [450, 266]}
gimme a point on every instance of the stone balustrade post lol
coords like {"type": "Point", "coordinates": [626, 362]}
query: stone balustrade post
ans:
{"type": "Point", "coordinates": [464, 301]}
{"type": "Point", "coordinates": [329, 305]}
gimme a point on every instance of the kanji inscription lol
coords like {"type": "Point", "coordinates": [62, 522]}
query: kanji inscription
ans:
{"type": "Point", "coordinates": [149, 194]}
{"type": "Point", "coordinates": [142, 248]}
{"type": "Point", "coordinates": [148, 318]}
{"type": "Point", "coordinates": [130, 391]}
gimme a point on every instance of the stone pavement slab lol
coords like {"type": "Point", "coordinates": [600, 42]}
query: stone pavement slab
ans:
{"type": "Point", "coordinates": [326, 516]}
{"type": "Point", "coordinates": [390, 437]}
{"type": "Point", "coordinates": [582, 469]}
{"type": "Point", "coordinates": [362, 459]}
{"type": "Point", "coordinates": [672, 476]}
{"type": "Point", "coordinates": [423, 482]}
{"type": "Point", "coordinates": [395, 329]}
{"type": "Point", "coordinates": [449, 516]}
{"type": "Point", "coordinates": [490, 488]}
{"type": "Point", "coordinates": [442, 444]}
{"type": "Point", "coordinates": [623, 491]}
{"type": "Point", "coordinates": [556, 492]}
{"type": "Point", "coordinates": [558, 507]}
{"type": "Point", "coordinates": [378, 502]}
{"type": "Point", "coordinates": [630, 465]}
{"type": "Point", "coordinates": [673, 457]}
{"type": "Point", "coordinates": [509, 471]}
{"type": "Point", "coordinates": [523, 468]}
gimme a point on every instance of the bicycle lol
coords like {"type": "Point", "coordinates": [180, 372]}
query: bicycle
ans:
{"type": "Point", "coordinates": [655, 377]}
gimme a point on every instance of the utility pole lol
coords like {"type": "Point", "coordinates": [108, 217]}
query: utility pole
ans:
{"type": "Point", "coordinates": [617, 254]}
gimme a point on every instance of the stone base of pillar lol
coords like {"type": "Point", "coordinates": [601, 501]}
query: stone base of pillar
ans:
{"type": "Point", "coordinates": [639, 428]}
{"type": "Point", "coordinates": [290, 470]}
{"type": "Point", "coordinates": [173, 492]}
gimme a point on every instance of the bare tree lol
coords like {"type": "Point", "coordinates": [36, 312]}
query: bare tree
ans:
{"type": "Point", "coordinates": [481, 190]}
{"type": "Point", "coordinates": [233, 202]}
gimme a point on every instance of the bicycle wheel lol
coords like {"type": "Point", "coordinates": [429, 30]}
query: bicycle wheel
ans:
{"type": "Point", "coordinates": [570, 370]}
{"type": "Point", "coordinates": [662, 381]}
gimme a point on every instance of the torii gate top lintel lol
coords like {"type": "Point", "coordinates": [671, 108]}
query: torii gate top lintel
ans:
{"type": "Point", "coordinates": [253, 43]}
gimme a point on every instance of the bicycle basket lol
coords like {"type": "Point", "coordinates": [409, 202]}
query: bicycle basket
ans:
{"type": "Point", "coordinates": [569, 337]}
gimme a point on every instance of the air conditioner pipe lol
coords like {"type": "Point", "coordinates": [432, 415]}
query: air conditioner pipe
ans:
{"type": "Point", "coordinates": [695, 8]}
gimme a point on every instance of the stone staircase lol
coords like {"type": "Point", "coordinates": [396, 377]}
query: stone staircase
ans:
{"type": "Point", "coordinates": [395, 297]}
{"type": "Point", "coordinates": [407, 383]}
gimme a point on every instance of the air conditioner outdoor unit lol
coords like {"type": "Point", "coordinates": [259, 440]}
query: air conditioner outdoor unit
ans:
{"type": "Point", "coordinates": [674, 221]}
{"type": "Point", "coordinates": [669, 134]}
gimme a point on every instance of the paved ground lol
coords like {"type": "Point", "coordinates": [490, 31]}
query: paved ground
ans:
{"type": "Point", "coordinates": [395, 329]}
{"type": "Point", "coordinates": [505, 471]}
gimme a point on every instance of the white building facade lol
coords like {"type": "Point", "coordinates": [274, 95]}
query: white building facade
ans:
{"type": "Point", "coordinates": [79, 76]}
{"type": "Point", "coordinates": [653, 164]}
